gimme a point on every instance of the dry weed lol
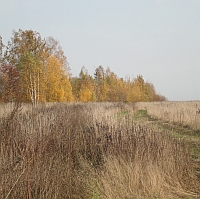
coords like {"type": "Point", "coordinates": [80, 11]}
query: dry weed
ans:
{"type": "Point", "coordinates": [89, 151]}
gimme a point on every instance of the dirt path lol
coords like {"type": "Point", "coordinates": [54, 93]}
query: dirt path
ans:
{"type": "Point", "coordinates": [190, 136]}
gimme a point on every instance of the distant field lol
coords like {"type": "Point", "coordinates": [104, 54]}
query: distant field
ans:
{"type": "Point", "coordinates": [184, 113]}
{"type": "Point", "coordinates": [100, 150]}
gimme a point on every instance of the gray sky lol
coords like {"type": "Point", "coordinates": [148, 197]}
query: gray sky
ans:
{"type": "Point", "coordinates": [159, 39]}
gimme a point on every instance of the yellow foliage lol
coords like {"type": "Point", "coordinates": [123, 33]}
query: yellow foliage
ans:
{"type": "Point", "coordinates": [58, 86]}
{"type": "Point", "coordinates": [85, 95]}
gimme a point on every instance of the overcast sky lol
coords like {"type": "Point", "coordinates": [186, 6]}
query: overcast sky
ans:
{"type": "Point", "coordinates": [159, 39]}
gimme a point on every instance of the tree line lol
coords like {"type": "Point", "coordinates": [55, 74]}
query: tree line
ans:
{"type": "Point", "coordinates": [35, 69]}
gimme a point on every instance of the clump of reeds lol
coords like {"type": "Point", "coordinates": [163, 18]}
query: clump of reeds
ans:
{"type": "Point", "coordinates": [89, 151]}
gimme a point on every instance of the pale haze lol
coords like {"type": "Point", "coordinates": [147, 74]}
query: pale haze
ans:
{"type": "Point", "coordinates": [159, 39]}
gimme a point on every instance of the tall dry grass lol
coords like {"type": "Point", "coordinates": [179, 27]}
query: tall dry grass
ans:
{"type": "Point", "coordinates": [184, 113]}
{"type": "Point", "coordinates": [89, 151]}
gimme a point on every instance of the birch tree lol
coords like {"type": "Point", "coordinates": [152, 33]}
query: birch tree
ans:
{"type": "Point", "coordinates": [30, 72]}
{"type": "Point", "coordinates": [57, 85]}
{"type": "Point", "coordinates": [37, 60]}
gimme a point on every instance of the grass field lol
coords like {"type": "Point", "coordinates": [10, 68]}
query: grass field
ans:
{"type": "Point", "coordinates": [100, 150]}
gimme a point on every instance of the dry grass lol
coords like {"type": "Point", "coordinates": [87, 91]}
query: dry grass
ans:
{"type": "Point", "coordinates": [92, 151]}
{"type": "Point", "coordinates": [182, 113]}
{"type": "Point", "coordinates": [6, 108]}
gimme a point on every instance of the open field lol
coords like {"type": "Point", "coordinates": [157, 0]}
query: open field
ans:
{"type": "Point", "coordinates": [99, 151]}
{"type": "Point", "coordinates": [183, 113]}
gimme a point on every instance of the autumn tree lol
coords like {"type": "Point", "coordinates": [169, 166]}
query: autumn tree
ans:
{"type": "Point", "coordinates": [25, 52]}
{"type": "Point", "coordinates": [57, 84]}
{"type": "Point", "coordinates": [111, 84]}
{"type": "Point", "coordinates": [115, 87]}
{"type": "Point", "coordinates": [54, 49]}
{"type": "Point", "coordinates": [83, 86]}
{"type": "Point", "coordinates": [22, 42]}
{"type": "Point", "coordinates": [76, 85]}
{"type": "Point", "coordinates": [86, 92]}
{"type": "Point", "coordinates": [9, 83]}
{"type": "Point", "coordinates": [101, 88]}
{"type": "Point", "coordinates": [139, 89]}
{"type": "Point", "coordinates": [35, 58]}
{"type": "Point", "coordinates": [107, 86]}
{"type": "Point", "coordinates": [57, 73]}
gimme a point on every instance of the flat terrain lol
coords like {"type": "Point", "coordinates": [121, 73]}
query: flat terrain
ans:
{"type": "Point", "coordinates": [190, 136]}
{"type": "Point", "coordinates": [100, 151]}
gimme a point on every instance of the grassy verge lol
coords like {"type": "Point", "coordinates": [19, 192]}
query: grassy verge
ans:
{"type": "Point", "coordinates": [190, 136]}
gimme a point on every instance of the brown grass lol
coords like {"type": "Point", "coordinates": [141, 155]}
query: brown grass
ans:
{"type": "Point", "coordinates": [92, 151]}
{"type": "Point", "coordinates": [183, 113]}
